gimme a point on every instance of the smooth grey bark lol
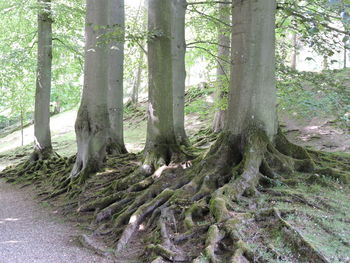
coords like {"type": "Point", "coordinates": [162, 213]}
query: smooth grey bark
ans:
{"type": "Point", "coordinates": [22, 127]}
{"type": "Point", "coordinates": [42, 134]}
{"type": "Point", "coordinates": [137, 82]}
{"type": "Point", "coordinates": [222, 68]}
{"type": "Point", "coordinates": [252, 98]}
{"type": "Point", "coordinates": [294, 51]}
{"type": "Point", "coordinates": [92, 124]}
{"type": "Point", "coordinates": [116, 21]}
{"type": "Point", "coordinates": [178, 46]}
{"type": "Point", "coordinates": [161, 140]}
{"type": "Point", "coordinates": [325, 63]}
{"type": "Point", "coordinates": [345, 56]}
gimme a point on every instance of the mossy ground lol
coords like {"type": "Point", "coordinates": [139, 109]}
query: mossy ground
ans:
{"type": "Point", "coordinates": [300, 217]}
{"type": "Point", "coordinates": [303, 217]}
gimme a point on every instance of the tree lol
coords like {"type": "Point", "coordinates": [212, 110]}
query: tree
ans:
{"type": "Point", "coordinates": [294, 51]}
{"type": "Point", "coordinates": [223, 69]}
{"type": "Point", "coordinates": [42, 134]}
{"type": "Point", "coordinates": [178, 46]}
{"type": "Point", "coordinates": [249, 149]}
{"type": "Point", "coordinates": [137, 82]}
{"type": "Point", "coordinates": [115, 75]}
{"type": "Point", "coordinates": [92, 124]}
{"type": "Point", "coordinates": [161, 144]}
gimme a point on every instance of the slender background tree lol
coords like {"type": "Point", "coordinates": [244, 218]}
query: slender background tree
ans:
{"type": "Point", "coordinates": [178, 47]}
{"type": "Point", "coordinates": [42, 134]}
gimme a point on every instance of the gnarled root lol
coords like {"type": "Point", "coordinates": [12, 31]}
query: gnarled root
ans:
{"type": "Point", "coordinates": [303, 246]}
{"type": "Point", "coordinates": [234, 168]}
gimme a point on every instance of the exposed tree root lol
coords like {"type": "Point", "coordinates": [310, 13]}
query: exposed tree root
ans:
{"type": "Point", "coordinates": [189, 214]}
{"type": "Point", "coordinates": [89, 243]}
{"type": "Point", "coordinates": [164, 155]}
{"type": "Point", "coordinates": [304, 247]}
{"type": "Point", "coordinates": [42, 154]}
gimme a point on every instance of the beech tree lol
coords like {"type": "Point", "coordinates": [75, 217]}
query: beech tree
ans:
{"type": "Point", "coordinates": [116, 22]}
{"type": "Point", "coordinates": [42, 134]}
{"type": "Point", "coordinates": [178, 46]}
{"type": "Point", "coordinates": [161, 144]}
{"type": "Point", "coordinates": [137, 82]}
{"type": "Point", "coordinates": [249, 149]}
{"type": "Point", "coordinates": [210, 211]}
{"type": "Point", "coordinates": [92, 123]}
{"type": "Point", "coordinates": [223, 67]}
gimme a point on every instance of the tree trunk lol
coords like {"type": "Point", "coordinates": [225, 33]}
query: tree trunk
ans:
{"type": "Point", "coordinates": [250, 152]}
{"type": "Point", "coordinates": [161, 142]}
{"type": "Point", "coordinates": [92, 124]}
{"type": "Point", "coordinates": [345, 56]}
{"type": "Point", "coordinates": [252, 99]}
{"type": "Point", "coordinates": [325, 63]}
{"type": "Point", "coordinates": [42, 134]}
{"type": "Point", "coordinates": [223, 68]}
{"type": "Point", "coordinates": [294, 51]}
{"type": "Point", "coordinates": [178, 46]}
{"type": "Point", "coordinates": [115, 75]}
{"type": "Point", "coordinates": [22, 124]}
{"type": "Point", "coordinates": [137, 83]}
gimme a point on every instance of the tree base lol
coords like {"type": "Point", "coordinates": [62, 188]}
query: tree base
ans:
{"type": "Point", "coordinates": [234, 196]}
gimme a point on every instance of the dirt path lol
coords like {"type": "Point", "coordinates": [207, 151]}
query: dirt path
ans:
{"type": "Point", "coordinates": [31, 233]}
{"type": "Point", "coordinates": [319, 133]}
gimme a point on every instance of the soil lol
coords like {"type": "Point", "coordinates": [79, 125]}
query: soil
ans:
{"type": "Point", "coordinates": [319, 133]}
{"type": "Point", "coordinates": [30, 232]}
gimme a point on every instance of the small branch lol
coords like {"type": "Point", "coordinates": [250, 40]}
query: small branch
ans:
{"type": "Point", "coordinates": [209, 2]}
{"type": "Point", "coordinates": [217, 58]}
{"type": "Point", "coordinates": [209, 17]}
{"type": "Point", "coordinates": [142, 48]}
{"type": "Point", "coordinates": [207, 42]}
{"type": "Point", "coordinates": [292, 13]}
{"type": "Point", "coordinates": [71, 49]}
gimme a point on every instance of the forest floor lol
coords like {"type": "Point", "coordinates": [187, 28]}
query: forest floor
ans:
{"type": "Point", "coordinates": [31, 232]}
{"type": "Point", "coordinates": [313, 217]}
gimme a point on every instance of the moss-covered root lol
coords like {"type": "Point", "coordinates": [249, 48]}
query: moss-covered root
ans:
{"type": "Point", "coordinates": [242, 254]}
{"type": "Point", "coordinates": [159, 260]}
{"type": "Point", "coordinates": [213, 238]}
{"type": "Point", "coordinates": [304, 247]}
{"type": "Point", "coordinates": [139, 216]}
{"type": "Point", "coordinates": [163, 155]}
{"type": "Point", "coordinates": [336, 174]}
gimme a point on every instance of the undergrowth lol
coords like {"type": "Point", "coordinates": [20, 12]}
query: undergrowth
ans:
{"type": "Point", "coordinates": [310, 94]}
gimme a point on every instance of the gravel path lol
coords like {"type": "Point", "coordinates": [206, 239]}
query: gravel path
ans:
{"type": "Point", "coordinates": [30, 233]}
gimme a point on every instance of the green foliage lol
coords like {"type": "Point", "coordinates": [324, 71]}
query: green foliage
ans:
{"type": "Point", "coordinates": [18, 33]}
{"type": "Point", "coordinates": [308, 94]}
{"type": "Point", "coordinates": [199, 100]}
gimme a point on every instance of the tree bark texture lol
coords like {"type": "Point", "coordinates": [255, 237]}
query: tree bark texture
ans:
{"type": "Point", "coordinates": [160, 128]}
{"type": "Point", "coordinates": [252, 98]}
{"type": "Point", "coordinates": [42, 134]}
{"type": "Point", "coordinates": [178, 46]}
{"type": "Point", "coordinates": [223, 68]}
{"type": "Point", "coordinates": [92, 124]}
{"type": "Point", "coordinates": [294, 51]}
{"type": "Point", "coordinates": [116, 20]}
{"type": "Point", "coordinates": [137, 82]}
